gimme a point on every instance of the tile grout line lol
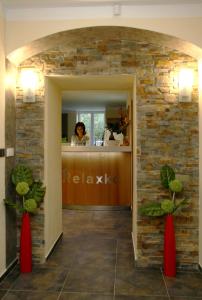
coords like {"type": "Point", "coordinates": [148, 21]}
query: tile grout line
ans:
{"type": "Point", "coordinates": [165, 283]}
{"type": "Point", "coordinates": [63, 285]}
{"type": "Point", "coordinates": [115, 270]}
{"type": "Point", "coordinates": [5, 294]}
{"type": "Point", "coordinates": [10, 288]}
{"type": "Point", "coordinates": [66, 279]}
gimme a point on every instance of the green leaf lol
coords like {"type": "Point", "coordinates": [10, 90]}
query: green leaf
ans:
{"type": "Point", "coordinates": [167, 174]}
{"type": "Point", "coordinates": [37, 192]}
{"type": "Point", "coordinates": [152, 210]}
{"type": "Point", "coordinates": [180, 205]}
{"type": "Point", "coordinates": [22, 173]}
{"type": "Point", "coordinates": [11, 204]}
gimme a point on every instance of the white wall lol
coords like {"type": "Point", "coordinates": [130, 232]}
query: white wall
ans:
{"type": "Point", "coordinates": [53, 172]}
{"type": "Point", "coordinates": [20, 33]}
{"type": "Point", "coordinates": [2, 145]}
{"type": "Point", "coordinates": [26, 25]}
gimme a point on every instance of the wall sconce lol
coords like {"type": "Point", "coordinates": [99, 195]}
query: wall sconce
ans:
{"type": "Point", "coordinates": [10, 80]}
{"type": "Point", "coordinates": [116, 9]}
{"type": "Point", "coordinates": [186, 78]}
{"type": "Point", "coordinates": [29, 83]}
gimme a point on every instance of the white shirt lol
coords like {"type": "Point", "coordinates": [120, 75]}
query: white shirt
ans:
{"type": "Point", "coordinates": [75, 141]}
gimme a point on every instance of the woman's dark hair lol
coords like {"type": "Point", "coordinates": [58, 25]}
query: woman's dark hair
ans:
{"type": "Point", "coordinates": [80, 124]}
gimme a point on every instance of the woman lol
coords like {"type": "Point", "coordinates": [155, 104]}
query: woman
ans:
{"type": "Point", "coordinates": [80, 138]}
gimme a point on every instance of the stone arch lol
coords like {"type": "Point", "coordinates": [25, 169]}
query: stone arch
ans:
{"type": "Point", "coordinates": [162, 121]}
{"type": "Point", "coordinates": [103, 32]}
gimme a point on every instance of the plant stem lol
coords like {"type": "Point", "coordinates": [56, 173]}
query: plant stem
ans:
{"type": "Point", "coordinates": [173, 198]}
{"type": "Point", "coordinates": [23, 201]}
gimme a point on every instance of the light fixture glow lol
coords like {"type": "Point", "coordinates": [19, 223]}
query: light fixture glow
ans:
{"type": "Point", "coordinates": [29, 83]}
{"type": "Point", "coordinates": [185, 85]}
{"type": "Point", "coordinates": [200, 75]}
{"type": "Point", "coordinates": [28, 79]}
{"type": "Point", "coordinates": [9, 80]}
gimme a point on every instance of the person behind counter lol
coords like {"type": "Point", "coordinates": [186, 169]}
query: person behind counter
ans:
{"type": "Point", "coordinates": [80, 138]}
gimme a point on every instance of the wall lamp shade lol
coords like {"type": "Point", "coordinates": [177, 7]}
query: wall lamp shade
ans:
{"type": "Point", "coordinates": [185, 85]}
{"type": "Point", "coordinates": [116, 9]}
{"type": "Point", "coordinates": [29, 82]}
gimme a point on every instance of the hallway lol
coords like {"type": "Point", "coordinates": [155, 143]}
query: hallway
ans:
{"type": "Point", "coordinates": [94, 261]}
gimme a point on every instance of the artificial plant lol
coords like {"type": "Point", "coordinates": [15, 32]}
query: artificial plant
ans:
{"type": "Point", "coordinates": [171, 205]}
{"type": "Point", "coordinates": [29, 192]}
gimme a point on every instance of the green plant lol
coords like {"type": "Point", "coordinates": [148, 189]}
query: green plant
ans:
{"type": "Point", "coordinates": [29, 193]}
{"type": "Point", "coordinates": [166, 206]}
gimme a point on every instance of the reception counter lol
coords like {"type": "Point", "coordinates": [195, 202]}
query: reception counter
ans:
{"type": "Point", "coordinates": [96, 175]}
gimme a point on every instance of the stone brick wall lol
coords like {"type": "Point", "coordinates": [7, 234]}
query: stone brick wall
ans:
{"type": "Point", "coordinates": [167, 131]}
{"type": "Point", "coordinates": [10, 114]}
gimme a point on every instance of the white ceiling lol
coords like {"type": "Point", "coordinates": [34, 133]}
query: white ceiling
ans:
{"type": "Point", "coordinates": [16, 4]}
{"type": "Point", "coordinates": [92, 99]}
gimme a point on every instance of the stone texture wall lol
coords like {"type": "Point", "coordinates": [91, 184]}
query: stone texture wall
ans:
{"type": "Point", "coordinates": [30, 151]}
{"type": "Point", "coordinates": [167, 131]}
{"type": "Point", "coordinates": [11, 231]}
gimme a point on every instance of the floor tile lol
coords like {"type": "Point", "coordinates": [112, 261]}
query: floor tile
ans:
{"type": "Point", "coordinates": [71, 244]}
{"type": "Point", "coordinates": [125, 260]}
{"type": "Point", "coordinates": [185, 284]}
{"type": "Point", "coordinates": [90, 279]}
{"type": "Point", "coordinates": [73, 232]}
{"type": "Point", "coordinates": [185, 298]}
{"type": "Point", "coordinates": [124, 245]}
{"type": "Point", "coordinates": [7, 282]}
{"type": "Point", "coordinates": [41, 280]}
{"type": "Point", "coordinates": [21, 295]}
{"type": "Point", "coordinates": [133, 282]}
{"type": "Point", "coordinates": [2, 293]}
{"type": "Point", "coordinates": [142, 298]}
{"type": "Point", "coordinates": [84, 296]}
{"type": "Point", "coordinates": [107, 234]}
{"type": "Point", "coordinates": [82, 266]}
{"type": "Point", "coordinates": [60, 259]}
{"type": "Point", "coordinates": [97, 258]}
{"type": "Point", "coordinates": [104, 245]}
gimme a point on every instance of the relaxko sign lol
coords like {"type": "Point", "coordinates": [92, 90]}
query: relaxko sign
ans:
{"type": "Point", "coordinates": [82, 178]}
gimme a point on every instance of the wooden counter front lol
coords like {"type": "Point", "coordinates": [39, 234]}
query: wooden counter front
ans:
{"type": "Point", "coordinates": [96, 178]}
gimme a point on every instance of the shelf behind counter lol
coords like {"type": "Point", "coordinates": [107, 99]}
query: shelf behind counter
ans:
{"type": "Point", "coordinates": [68, 148]}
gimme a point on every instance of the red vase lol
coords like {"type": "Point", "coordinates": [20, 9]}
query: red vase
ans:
{"type": "Point", "coordinates": [169, 247]}
{"type": "Point", "coordinates": [25, 245]}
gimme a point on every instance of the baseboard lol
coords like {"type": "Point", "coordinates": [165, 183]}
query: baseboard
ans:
{"type": "Point", "coordinates": [54, 245]}
{"type": "Point", "coordinates": [134, 248]}
{"type": "Point", "coordinates": [9, 268]}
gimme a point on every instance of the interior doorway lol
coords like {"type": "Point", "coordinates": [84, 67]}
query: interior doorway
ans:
{"type": "Point", "coordinates": [55, 87]}
{"type": "Point", "coordinates": [97, 175]}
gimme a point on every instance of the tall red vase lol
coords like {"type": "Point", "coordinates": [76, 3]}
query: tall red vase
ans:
{"type": "Point", "coordinates": [169, 247]}
{"type": "Point", "coordinates": [25, 245]}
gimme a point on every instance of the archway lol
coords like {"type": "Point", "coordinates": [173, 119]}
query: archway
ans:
{"type": "Point", "coordinates": [153, 57]}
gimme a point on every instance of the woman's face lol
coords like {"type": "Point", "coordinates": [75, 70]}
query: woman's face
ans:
{"type": "Point", "coordinates": [79, 130]}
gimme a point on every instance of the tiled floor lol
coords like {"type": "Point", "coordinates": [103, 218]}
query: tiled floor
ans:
{"type": "Point", "coordinates": [94, 261]}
